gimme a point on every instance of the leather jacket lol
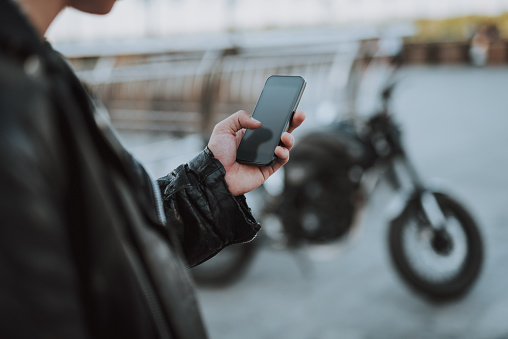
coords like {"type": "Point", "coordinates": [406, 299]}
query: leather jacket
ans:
{"type": "Point", "coordinates": [90, 246]}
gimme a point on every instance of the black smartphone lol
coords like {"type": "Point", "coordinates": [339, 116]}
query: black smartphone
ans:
{"type": "Point", "coordinates": [275, 107]}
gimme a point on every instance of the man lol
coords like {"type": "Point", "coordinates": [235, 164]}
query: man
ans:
{"type": "Point", "coordinates": [89, 247]}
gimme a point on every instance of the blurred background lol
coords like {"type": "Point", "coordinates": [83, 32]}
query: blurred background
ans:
{"type": "Point", "coordinates": [167, 71]}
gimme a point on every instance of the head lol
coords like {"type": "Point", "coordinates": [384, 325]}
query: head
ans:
{"type": "Point", "coordinates": [92, 6]}
{"type": "Point", "coordinates": [42, 13]}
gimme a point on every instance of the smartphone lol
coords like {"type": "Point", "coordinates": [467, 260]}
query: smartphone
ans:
{"type": "Point", "coordinates": [274, 109]}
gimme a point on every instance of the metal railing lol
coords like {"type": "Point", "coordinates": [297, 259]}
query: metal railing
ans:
{"type": "Point", "coordinates": [189, 92]}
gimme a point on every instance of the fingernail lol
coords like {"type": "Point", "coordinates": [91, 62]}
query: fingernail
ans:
{"type": "Point", "coordinates": [255, 119]}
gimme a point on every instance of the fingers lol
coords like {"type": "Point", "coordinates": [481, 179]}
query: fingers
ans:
{"type": "Point", "coordinates": [239, 120]}
{"type": "Point", "coordinates": [288, 140]}
{"type": "Point", "coordinates": [282, 154]}
{"type": "Point", "coordinates": [297, 120]}
{"type": "Point", "coordinates": [242, 119]}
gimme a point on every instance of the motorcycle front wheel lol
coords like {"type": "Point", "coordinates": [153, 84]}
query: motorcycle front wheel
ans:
{"type": "Point", "coordinates": [444, 264]}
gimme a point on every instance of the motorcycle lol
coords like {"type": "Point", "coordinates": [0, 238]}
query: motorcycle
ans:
{"type": "Point", "coordinates": [434, 243]}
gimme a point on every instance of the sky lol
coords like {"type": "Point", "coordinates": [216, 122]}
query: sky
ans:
{"type": "Point", "coordinates": [139, 18]}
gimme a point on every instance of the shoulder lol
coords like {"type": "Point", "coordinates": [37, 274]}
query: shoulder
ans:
{"type": "Point", "coordinates": [24, 88]}
{"type": "Point", "coordinates": [29, 136]}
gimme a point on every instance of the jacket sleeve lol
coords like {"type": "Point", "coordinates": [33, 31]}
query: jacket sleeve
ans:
{"type": "Point", "coordinates": [39, 286]}
{"type": "Point", "coordinates": [201, 210]}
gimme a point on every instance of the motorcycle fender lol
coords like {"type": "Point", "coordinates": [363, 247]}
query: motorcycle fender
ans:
{"type": "Point", "coordinates": [397, 205]}
{"type": "Point", "coordinates": [400, 201]}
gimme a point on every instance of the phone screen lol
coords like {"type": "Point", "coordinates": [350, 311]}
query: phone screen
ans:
{"type": "Point", "coordinates": [274, 109]}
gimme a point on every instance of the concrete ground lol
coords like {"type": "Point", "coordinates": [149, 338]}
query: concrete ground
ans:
{"type": "Point", "coordinates": [455, 123]}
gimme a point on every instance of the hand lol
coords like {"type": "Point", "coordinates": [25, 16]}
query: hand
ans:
{"type": "Point", "coordinates": [224, 143]}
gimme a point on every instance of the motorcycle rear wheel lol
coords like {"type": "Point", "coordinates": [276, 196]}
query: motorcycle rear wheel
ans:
{"type": "Point", "coordinates": [226, 267]}
{"type": "Point", "coordinates": [443, 265]}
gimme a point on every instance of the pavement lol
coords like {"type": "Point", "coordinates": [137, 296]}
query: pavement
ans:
{"type": "Point", "coordinates": [455, 124]}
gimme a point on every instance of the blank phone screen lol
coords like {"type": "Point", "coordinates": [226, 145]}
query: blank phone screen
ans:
{"type": "Point", "coordinates": [274, 109]}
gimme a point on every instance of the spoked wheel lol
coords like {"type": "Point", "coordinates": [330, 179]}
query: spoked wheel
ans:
{"type": "Point", "coordinates": [442, 264]}
{"type": "Point", "coordinates": [226, 267]}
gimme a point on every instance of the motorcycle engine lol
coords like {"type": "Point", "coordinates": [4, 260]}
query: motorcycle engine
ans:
{"type": "Point", "coordinates": [322, 192]}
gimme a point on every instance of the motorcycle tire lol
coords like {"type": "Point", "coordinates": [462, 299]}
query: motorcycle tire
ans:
{"type": "Point", "coordinates": [226, 267]}
{"type": "Point", "coordinates": [461, 230]}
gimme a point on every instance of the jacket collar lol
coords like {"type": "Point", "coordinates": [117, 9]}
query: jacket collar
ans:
{"type": "Point", "coordinates": [16, 32]}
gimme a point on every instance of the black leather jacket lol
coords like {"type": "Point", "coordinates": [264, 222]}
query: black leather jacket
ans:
{"type": "Point", "coordinates": [89, 248]}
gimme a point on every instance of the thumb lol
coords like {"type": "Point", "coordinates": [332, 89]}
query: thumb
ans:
{"type": "Point", "coordinates": [242, 119]}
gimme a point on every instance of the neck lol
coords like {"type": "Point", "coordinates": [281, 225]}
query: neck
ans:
{"type": "Point", "coordinates": [41, 13]}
